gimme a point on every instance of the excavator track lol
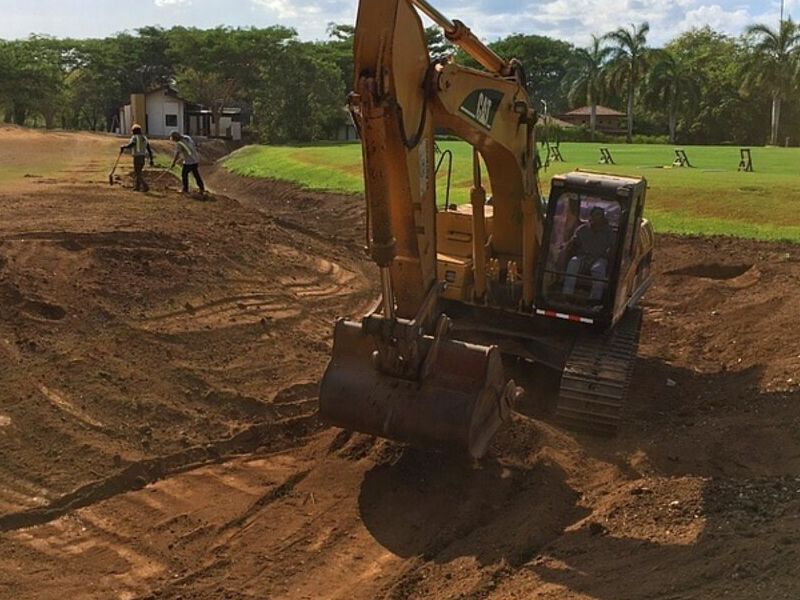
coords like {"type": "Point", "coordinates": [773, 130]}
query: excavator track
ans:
{"type": "Point", "coordinates": [596, 377]}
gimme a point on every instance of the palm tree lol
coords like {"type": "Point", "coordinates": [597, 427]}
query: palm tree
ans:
{"type": "Point", "coordinates": [587, 77]}
{"type": "Point", "coordinates": [628, 63]}
{"type": "Point", "coordinates": [670, 83]}
{"type": "Point", "coordinates": [774, 65]}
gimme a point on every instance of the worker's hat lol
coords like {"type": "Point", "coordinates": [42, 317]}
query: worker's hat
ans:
{"type": "Point", "coordinates": [136, 128]}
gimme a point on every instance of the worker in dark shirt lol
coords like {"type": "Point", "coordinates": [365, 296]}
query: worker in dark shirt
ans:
{"type": "Point", "coordinates": [140, 148]}
{"type": "Point", "coordinates": [590, 248]}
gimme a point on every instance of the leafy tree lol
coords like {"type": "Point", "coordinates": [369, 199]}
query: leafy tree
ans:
{"type": "Point", "coordinates": [438, 45]}
{"type": "Point", "coordinates": [628, 64]}
{"type": "Point", "coordinates": [98, 84]}
{"type": "Point", "coordinates": [339, 48]}
{"type": "Point", "coordinates": [586, 77]}
{"type": "Point", "coordinates": [108, 70]}
{"type": "Point", "coordinates": [6, 74]}
{"type": "Point", "coordinates": [217, 66]}
{"type": "Point", "coordinates": [721, 113]}
{"type": "Point", "coordinates": [211, 89]}
{"type": "Point", "coordinates": [545, 61]}
{"type": "Point", "coordinates": [672, 85]}
{"type": "Point", "coordinates": [774, 66]}
{"type": "Point", "coordinates": [302, 95]}
{"type": "Point", "coordinates": [144, 58]}
{"type": "Point", "coordinates": [33, 83]}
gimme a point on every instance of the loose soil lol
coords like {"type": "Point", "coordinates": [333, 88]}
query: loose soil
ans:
{"type": "Point", "coordinates": [159, 365]}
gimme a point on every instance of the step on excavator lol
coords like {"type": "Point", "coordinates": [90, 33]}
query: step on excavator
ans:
{"type": "Point", "coordinates": [554, 282]}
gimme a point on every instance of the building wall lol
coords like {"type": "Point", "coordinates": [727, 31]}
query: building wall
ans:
{"type": "Point", "coordinates": [203, 125]}
{"type": "Point", "coordinates": [154, 109]}
{"type": "Point", "coordinates": [138, 111]}
{"type": "Point", "coordinates": [159, 107]}
{"type": "Point", "coordinates": [346, 133]}
{"type": "Point", "coordinates": [228, 128]}
{"type": "Point", "coordinates": [197, 125]}
{"type": "Point", "coordinates": [125, 119]}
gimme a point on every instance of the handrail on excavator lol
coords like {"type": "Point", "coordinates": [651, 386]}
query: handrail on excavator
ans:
{"type": "Point", "coordinates": [458, 33]}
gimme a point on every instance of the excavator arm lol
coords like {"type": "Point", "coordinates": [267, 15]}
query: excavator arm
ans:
{"type": "Point", "coordinates": [397, 373]}
{"type": "Point", "coordinates": [390, 106]}
{"type": "Point", "coordinates": [400, 98]}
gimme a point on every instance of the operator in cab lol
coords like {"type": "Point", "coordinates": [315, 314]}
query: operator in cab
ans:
{"type": "Point", "coordinates": [590, 249]}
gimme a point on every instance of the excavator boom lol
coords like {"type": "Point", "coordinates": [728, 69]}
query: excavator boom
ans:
{"type": "Point", "coordinates": [397, 373]}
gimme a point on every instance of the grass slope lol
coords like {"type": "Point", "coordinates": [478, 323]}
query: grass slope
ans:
{"type": "Point", "coordinates": [711, 198]}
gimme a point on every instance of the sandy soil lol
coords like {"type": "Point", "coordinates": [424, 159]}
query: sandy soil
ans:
{"type": "Point", "coordinates": [159, 362]}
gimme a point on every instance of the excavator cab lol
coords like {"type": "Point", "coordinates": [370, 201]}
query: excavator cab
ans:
{"type": "Point", "coordinates": [590, 238]}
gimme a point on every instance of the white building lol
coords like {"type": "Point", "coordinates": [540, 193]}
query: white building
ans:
{"type": "Point", "coordinates": [161, 111]}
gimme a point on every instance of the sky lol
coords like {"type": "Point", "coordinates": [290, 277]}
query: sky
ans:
{"type": "Point", "coordinates": [571, 20]}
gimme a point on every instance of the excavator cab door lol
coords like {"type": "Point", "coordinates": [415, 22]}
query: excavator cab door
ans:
{"type": "Point", "coordinates": [586, 247]}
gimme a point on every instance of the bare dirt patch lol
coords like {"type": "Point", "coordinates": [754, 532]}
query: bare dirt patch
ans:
{"type": "Point", "coordinates": [713, 271]}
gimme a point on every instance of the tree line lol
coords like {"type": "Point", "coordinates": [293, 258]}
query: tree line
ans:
{"type": "Point", "coordinates": [703, 86]}
{"type": "Point", "coordinates": [294, 89]}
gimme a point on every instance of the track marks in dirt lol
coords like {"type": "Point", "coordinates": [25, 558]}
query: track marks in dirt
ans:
{"type": "Point", "coordinates": [163, 536]}
{"type": "Point", "coordinates": [75, 241]}
{"type": "Point", "coordinates": [315, 277]}
{"type": "Point", "coordinates": [307, 287]}
{"type": "Point", "coordinates": [59, 400]}
{"type": "Point", "coordinates": [33, 307]}
{"type": "Point", "coordinates": [226, 310]}
{"type": "Point", "coordinates": [19, 491]}
{"type": "Point", "coordinates": [269, 437]}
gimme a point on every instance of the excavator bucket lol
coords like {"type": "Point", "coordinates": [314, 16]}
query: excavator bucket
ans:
{"type": "Point", "coordinates": [459, 402]}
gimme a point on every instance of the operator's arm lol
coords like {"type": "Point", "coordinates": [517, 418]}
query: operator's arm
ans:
{"type": "Point", "coordinates": [177, 155]}
{"type": "Point", "coordinates": [574, 245]}
{"type": "Point", "coordinates": [150, 152]}
{"type": "Point", "coordinates": [127, 146]}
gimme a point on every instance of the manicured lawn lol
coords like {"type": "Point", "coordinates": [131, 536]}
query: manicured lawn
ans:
{"type": "Point", "coordinates": [711, 198]}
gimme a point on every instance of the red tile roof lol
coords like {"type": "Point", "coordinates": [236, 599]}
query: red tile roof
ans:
{"type": "Point", "coordinates": [554, 122]}
{"type": "Point", "coordinates": [602, 111]}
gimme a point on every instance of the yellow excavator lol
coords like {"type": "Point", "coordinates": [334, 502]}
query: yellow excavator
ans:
{"type": "Point", "coordinates": [553, 282]}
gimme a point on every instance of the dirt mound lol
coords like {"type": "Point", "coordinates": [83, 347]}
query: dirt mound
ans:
{"type": "Point", "coordinates": [158, 436]}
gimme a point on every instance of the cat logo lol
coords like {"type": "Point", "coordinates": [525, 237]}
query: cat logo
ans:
{"type": "Point", "coordinates": [484, 110]}
{"type": "Point", "coordinates": [481, 106]}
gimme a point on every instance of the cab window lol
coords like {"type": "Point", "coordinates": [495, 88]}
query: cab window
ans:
{"type": "Point", "coordinates": [581, 251]}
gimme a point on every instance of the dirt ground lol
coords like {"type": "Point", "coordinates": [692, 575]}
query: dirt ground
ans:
{"type": "Point", "coordinates": [159, 365]}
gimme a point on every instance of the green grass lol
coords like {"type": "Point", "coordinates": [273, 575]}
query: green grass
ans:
{"type": "Point", "coordinates": [14, 173]}
{"type": "Point", "coordinates": [711, 198]}
{"type": "Point", "coordinates": [9, 173]}
{"type": "Point", "coordinates": [334, 168]}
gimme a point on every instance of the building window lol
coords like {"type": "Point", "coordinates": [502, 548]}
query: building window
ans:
{"type": "Point", "coordinates": [172, 120]}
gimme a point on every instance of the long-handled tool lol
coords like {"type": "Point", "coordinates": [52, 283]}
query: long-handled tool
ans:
{"type": "Point", "coordinates": [164, 171]}
{"type": "Point", "coordinates": [114, 168]}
